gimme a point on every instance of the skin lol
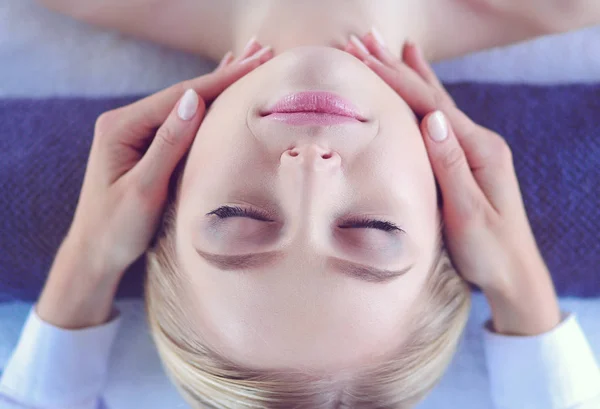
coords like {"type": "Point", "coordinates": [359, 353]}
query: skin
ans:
{"type": "Point", "coordinates": [378, 169]}
{"type": "Point", "coordinates": [123, 196]}
{"type": "Point", "coordinates": [485, 224]}
{"type": "Point", "coordinates": [271, 312]}
{"type": "Point", "coordinates": [443, 28]}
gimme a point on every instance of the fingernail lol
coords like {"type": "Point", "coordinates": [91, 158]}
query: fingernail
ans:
{"type": "Point", "coordinates": [188, 105]}
{"type": "Point", "coordinates": [249, 44]}
{"type": "Point", "coordinates": [437, 127]}
{"type": "Point", "coordinates": [257, 56]}
{"type": "Point", "coordinates": [378, 37]}
{"type": "Point", "coordinates": [409, 43]}
{"type": "Point", "coordinates": [359, 44]}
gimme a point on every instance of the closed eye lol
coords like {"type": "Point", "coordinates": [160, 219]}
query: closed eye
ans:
{"type": "Point", "coordinates": [225, 212]}
{"type": "Point", "coordinates": [370, 224]}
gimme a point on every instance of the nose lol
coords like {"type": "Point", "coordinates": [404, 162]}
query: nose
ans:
{"type": "Point", "coordinates": [312, 158]}
{"type": "Point", "coordinates": [309, 183]}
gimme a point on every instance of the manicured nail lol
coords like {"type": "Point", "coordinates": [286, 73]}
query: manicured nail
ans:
{"type": "Point", "coordinates": [378, 37]}
{"type": "Point", "coordinates": [257, 56]}
{"type": "Point", "coordinates": [437, 127]}
{"type": "Point", "coordinates": [409, 43]}
{"type": "Point", "coordinates": [359, 44]}
{"type": "Point", "coordinates": [250, 43]}
{"type": "Point", "coordinates": [188, 105]}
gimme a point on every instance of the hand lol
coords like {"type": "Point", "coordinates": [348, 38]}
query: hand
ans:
{"type": "Point", "coordinates": [124, 191]}
{"type": "Point", "coordinates": [127, 177]}
{"type": "Point", "coordinates": [485, 224]}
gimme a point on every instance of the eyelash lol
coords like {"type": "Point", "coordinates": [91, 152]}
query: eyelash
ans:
{"type": "Point", "coordinates": [371, 224]}
{"type": "Point", "coordinates": [225, 212]}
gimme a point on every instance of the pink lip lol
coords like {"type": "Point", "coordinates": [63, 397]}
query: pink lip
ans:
{"type": "Point", "coordinates": [314, 108]}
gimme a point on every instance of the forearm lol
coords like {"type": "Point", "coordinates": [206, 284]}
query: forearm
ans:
{"type": "Point", "coordinates": [77, 294]}
{"type": "Point", "coordinates": [63, 352]}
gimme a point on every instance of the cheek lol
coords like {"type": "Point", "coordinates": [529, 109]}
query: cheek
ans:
{"type": "Point", "coordinates": [400, 160]}
{"type": "Point", "coordinates": [224, 128]}
{"type": "Point", "coordinates": [225, 165]}
{"type": "Point", "coordinates": [407, 172]}
{"type": "Point", "coordinates": [221, 147]}
{"type": "Point", "coordinates": [420, 190]}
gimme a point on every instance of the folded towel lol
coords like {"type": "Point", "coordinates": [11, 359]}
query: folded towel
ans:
{"type": "Point", "coordinates": [552, 130]}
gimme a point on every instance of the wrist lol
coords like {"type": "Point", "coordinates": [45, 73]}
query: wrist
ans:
{"type": "Point", "coordinates": [77, 293]}
{"type": "Point", "coordinates": [528, 311]}
{"type": "Point", "coordinates": [92, 249]}
{"type": "Point", "coordinates": [527, 304]}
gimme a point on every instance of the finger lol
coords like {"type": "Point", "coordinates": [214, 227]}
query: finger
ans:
{"type": "Point", "coordinates": [490, 160]}
{"type": "Point", "coordinates": [361, 50]}
{"type": "Point", "coordinates": [252, 47]}
{"type": "Point", "coordinates": [351, 49]}
{"type": "Point", "coordinates": [407, 83]}
{"type": "Point", "coordinates": [377, 47]}
{"type": "Point", "coordinates": [172, 140]}
{"type": "Point", "coordinates": [485, 152]}
{"type": "Point", "coordinates": [145, 115]}
{"type": "Point", "coordinates": [461, 194]}
{"type": "Point", "coordinates": [226, 60]}
{"type": "Point", "coordinates": [263, 55]}
{"type": "Point", "coordinates": [422, 99]}
{"type": "Point", "coordinates": [413, 56]}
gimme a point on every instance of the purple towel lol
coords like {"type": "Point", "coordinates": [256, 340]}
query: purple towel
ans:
{"type": "Point", "coordinates": [554, 133]}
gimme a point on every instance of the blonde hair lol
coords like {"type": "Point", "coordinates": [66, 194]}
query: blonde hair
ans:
{"type": "Point", "coordinates": [208, 380]}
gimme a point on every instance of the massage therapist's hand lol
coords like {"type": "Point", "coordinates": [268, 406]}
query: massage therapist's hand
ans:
{"type": "Point", "coordinates": [485, 224]}
{"type": "Point", "coordinates": [124, 191]}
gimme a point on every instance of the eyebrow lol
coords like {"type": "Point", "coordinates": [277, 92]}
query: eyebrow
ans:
{"type": "Point", "coordinates": [257, 260]}
{"type": "Point", "coordinates": [366, 273]}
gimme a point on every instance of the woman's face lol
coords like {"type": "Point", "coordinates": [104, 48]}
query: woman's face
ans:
{"type": "Point", "coordinates": [299, 280]}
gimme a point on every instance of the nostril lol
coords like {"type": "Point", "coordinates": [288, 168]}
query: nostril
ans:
{"type": "Point", "coordinates": [323, 154]}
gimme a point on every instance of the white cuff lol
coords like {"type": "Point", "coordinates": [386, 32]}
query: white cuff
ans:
{"type": "Point", "coordinates": [56, 367]}
{"type": "Point", "coordinates": [555, 370]}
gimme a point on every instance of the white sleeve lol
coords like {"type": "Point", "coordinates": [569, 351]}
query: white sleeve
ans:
{"type": "Point", "coordinates": [53, 367]}
{"type": "Point", "coordinates": [555, 370]}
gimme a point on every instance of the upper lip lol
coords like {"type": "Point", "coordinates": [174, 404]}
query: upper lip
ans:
{"type": "Point", "coordinates": [320, 102]}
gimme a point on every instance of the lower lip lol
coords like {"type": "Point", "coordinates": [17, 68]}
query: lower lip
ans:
{"type": "Point", "coordinates": [314, 108]}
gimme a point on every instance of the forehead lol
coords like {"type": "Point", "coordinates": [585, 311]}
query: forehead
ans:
{"type": "Point", "coordinates": [297, 316]}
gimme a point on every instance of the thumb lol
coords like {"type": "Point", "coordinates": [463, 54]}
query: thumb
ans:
{"type": "Point", "coordinates": [172, 141]}
{"type": "Point", "coordinates": [460, 192]}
